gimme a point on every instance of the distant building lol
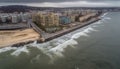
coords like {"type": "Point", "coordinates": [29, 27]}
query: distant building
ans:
{"type": "Point", "coordinates": [72, 18]}
{"type": "Point", "coordinates": [3, 19]}
{"type": "Point", "coordinates": [24, 17]}
{"type": "Point", "coordinates": [14, 19]}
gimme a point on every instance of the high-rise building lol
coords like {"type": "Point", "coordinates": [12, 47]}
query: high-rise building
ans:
{"type": "Point", "coordinates": [52, 19]}
{"type": "Point", "coordinates": [42, 19]}
{"type": "Point", "coordinates": [46, 19]}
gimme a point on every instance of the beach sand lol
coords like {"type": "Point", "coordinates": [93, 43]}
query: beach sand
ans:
{"type": "Point", "coordinates": [11, 37]}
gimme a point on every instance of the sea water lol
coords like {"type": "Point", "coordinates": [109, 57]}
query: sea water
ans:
{"type": "Point", "coordinates": [92, 47]}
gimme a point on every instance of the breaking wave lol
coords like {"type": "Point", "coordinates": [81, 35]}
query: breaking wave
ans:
{"type": "Point", "coordinates": [56, 47]}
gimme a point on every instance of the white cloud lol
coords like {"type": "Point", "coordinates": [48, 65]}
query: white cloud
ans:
{"type": "Point", "coordinates": [70, 4]}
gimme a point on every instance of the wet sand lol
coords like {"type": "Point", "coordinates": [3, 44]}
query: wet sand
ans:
{"type": "Point", "coordinates": [11, 37]}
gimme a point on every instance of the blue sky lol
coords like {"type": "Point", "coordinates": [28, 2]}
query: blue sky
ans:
{"type": "Point", "coordinates": [63, 3]}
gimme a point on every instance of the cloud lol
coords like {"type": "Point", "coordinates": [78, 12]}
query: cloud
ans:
{"type": "Point", "coordinates": [35, 1]}
{"type": "Point", "coordinates": [40, 1]}
{"type": "Point", "coordinates": [71, 3]}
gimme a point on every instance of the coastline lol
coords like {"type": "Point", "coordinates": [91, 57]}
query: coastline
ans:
{"type": "Point", "coordinates": [51, 36]}
{"type": "Point", "coordinates": [60, 33]}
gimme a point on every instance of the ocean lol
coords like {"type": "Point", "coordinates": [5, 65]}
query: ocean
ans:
{"type": "Point", "coordinates": [92, 47]}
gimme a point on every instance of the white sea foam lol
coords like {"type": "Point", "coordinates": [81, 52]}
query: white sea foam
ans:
{"type": "Point", "coordinates": [60, 48]}
{"type": "Point", "coordinates": [83, 33]}
{"type": "Point", "coordinates": [20, 50]}
{"type": "Point", "coordinates": [55, 51]}
{"type": "Point", "coordinates": [79, 35]}
{"type": "Point", "coordinates": [104, 14]}
{"type": "Point", "coordinates": [7, 49]}
{"type": "Point", "coordinates": [59, 41]}
{"type": "Point", "coordinates": [35, 44]}
{"type": "Point", "coordinates": [99, 22]}
{"type": "Point", "coordinates": [43, 48]}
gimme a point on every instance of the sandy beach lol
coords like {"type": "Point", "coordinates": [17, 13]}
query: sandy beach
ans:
{"type": "Point", "coordinates": [11, 37]}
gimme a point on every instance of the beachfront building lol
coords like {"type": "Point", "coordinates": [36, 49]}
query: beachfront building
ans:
{"type": "Point", "coordinates": [46, 20]}
{"type": "Point", "coordinates": [65, 20]}
{"type": "Point", "coordinates": [52, 19]}
{"type": "Point", "coordinates": [42, 19]}
{"type": "Point", "coordinates": [87, 17]}
{"type": "Point", "coordinates": [34, 16]}
{"type": "Point", "coordinates": [39, 18]}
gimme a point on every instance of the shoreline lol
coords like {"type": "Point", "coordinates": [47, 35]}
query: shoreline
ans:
{"type": "Point", "coordinates": [48, 37]}
{"type": "Point", "coordinates": [70, 30]}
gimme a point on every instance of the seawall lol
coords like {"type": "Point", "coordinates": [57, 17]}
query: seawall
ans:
{"type": "Point", "coordinates": [70, 30]}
